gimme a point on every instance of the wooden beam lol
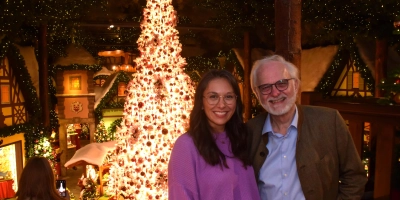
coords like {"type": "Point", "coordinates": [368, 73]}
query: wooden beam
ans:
{"type": "Point", "coordinates": [356, 129]}
{"type": "Point", "coordinates": [288, 32]}
{"type": "Point", "coordinates": [137, 25]}
{"type": "Point", "coordinates": [43, 76]}
{"type": "Point", "coordinates": [384, 159]}
{"type": "Point", "coordinates": [381, 53]}
{"type": "Point", "coordinates": [246, 79]}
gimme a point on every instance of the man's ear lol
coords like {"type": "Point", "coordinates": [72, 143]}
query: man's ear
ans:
{"type": "Point", "coordinates": [297, 84]}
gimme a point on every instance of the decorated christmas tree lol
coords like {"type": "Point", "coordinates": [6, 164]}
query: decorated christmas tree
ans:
{"type": "Point", "coordinates": [156, 110]}
{"type": "Point", "coordinates": [101, 134]}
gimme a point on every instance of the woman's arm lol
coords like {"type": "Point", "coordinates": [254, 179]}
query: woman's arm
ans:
{"type": "Point", "coordinates": [182, 182]}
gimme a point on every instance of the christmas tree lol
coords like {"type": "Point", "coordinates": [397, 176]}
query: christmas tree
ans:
{"type": "Point", "coordinates": [101, 134]}
{"type": "Point", "coordinates": [156, 110]}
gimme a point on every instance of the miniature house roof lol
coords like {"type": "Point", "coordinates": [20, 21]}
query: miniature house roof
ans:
{"type": "Point", "coordinates": [76, 55]}
{"type": "Point", "coordinates": [103, 71]}
{"type": "Point", "coordinates": [116, 53]}
{"type": "Point", "coordinates": [92, 154]}
{"type": "Point", "coordinates": [367, 50]}
{"type": "Point", "coordinates": [106, 87]}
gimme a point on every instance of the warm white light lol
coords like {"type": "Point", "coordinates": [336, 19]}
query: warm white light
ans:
{"type": "Point", "coordinates": [156, 110]}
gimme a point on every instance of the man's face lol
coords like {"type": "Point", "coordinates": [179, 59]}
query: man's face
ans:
{"type": "Point", "coordinates": [277, 102]}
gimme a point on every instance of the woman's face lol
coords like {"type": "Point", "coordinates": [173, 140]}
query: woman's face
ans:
{"type": "Point", "coordinates": [219, 103]}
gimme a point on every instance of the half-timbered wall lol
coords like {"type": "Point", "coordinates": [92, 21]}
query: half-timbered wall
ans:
{"type": "Point", "coordinates": [12, 108]}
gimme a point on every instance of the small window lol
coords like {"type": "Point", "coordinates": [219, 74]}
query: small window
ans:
{"type": "Point", "coordinates": [75, 82]}
{"type": "Point", "coordinates": [5, 94]}
{"type": "Point", "coordinates": [121, 89]}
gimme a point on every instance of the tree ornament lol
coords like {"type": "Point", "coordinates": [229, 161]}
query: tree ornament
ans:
{"type": "Point", "coordinates": [396, 98]}
{"type": "Point", "coordinates": [159, 100]}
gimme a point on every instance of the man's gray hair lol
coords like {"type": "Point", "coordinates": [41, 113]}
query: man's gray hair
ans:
{"type": "Point", "coordinates": [292, 69]}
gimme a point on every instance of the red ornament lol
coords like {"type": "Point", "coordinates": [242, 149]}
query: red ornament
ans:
{"type": "Point", "coordinates": [141, 104]}
{"type": "Point", "coordinates": [396, 98]}
{"type": "Point", "coordinates": [397, 81]}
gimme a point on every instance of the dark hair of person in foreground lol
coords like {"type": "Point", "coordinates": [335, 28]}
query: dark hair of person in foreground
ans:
{"type": "Point", "coordinates": [37, 181]}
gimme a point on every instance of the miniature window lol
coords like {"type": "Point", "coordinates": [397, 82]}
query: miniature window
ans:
{"type": "Point", "coordinates": [75, 82]}
{"type": "Point", "coordinates": [5, 94]}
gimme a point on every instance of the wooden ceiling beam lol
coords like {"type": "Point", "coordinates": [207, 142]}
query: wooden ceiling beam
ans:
{"type": "Point", "coordinates": [137, 25]}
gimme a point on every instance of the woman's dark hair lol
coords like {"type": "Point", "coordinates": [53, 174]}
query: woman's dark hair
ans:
{"type": "Point", "coordinates": [201, 132]}
{"type": "Point", "coordinates": [37, 181]}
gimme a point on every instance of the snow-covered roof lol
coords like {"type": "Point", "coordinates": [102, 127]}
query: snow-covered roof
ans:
{"type": "Point", "coordinates": [105, 88]}
{"type": "Point", "coordinates": [103, 71]}
{"type": "Point", "coordinates": [93, 154]}
{"type": "Point", "coordinates": [76, 55]}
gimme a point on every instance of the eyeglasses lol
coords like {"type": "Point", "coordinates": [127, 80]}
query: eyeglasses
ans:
{"type": "Point", "coordinates": [213, 99]}
{"type": "Point", "coordinates": [280, 85]}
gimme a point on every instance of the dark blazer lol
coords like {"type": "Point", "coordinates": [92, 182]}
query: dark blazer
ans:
{"type": "Point", "coordinates": [328, 164]}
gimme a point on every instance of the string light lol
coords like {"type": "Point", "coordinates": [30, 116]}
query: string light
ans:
{"type": "Point", "coordinates": [156, 111]}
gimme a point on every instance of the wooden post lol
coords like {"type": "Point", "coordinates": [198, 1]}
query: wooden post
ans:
{"type": "Point", "coordinates": [43, 76]}
{"type": "Point", "coordinates": [384, 157]}
{"type": "Point", "coordinates": [380, 64]}
{"type": "Point", "coordinates": [246, 79]}
{"type": "Point", "coordinates": [356, 129]}
{"type": "Point", "coordinates": [288, 32]}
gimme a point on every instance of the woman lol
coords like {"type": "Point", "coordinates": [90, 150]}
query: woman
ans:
{"type": "Point", "coordinates": [210, 161]}
{"type": "Point", "coordinates": [37, 181]}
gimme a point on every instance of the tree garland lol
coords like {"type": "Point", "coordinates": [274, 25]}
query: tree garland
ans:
{"type": "Point", "coordinates": [32, 128]}
{"type": "Point", "coordinates": [328, 81]}
{"type": "Point", "coordinates": [198, 65]}
{"type": "Point", "coordinates": [112, 129]}
{"type": "Point", "coordinates": [232, 58]}
{"type": "Point", "coordinates": [100, 77]}
{"type": "Point", "coordinates": [363, 69]}
{"type": "Point", "coordinates": [77, 67]}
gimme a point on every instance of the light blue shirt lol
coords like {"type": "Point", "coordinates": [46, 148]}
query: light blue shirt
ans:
{"type": "Point", "coordinates": [278, 175]}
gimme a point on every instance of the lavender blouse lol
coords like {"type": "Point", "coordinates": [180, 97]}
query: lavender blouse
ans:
{"type": "Point", "coordinates": [191, 178]}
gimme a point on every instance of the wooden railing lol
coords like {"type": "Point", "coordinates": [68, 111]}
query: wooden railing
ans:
{"type": "Point", "coordinates": [383, 121]}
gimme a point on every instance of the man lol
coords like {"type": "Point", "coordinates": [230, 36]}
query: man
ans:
{"type": "Point", "coordinates": [299, 152]}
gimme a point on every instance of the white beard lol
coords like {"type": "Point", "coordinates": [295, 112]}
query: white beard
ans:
{"type": "Point", "coordinates": [290, 102]}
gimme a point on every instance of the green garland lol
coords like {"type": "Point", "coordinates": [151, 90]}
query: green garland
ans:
{"type": "Point", "coordinates": [390, 87]}
{"type": "Point", "coordinates": [328, 81]}
{"type": "Point", "coordinates": [121, 77]}
{"type": "Point", "coordinates": [112, 129]}
{"type": "Point", "coordinates": [101, 77]}
{"type": "Point", "coordinates": [363, 69]}
{"type": "Point", "coordinates": [198, 65]}
{"type": "Point", "coordinates": [77, 67]}
{"type": "Point", "coordinates": [232, 58]}
{"type": "Point", "coordinates": [32, 128]}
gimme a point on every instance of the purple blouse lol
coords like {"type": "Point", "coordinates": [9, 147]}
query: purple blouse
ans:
{"type": "Point", "coordinates": [190, 177]}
